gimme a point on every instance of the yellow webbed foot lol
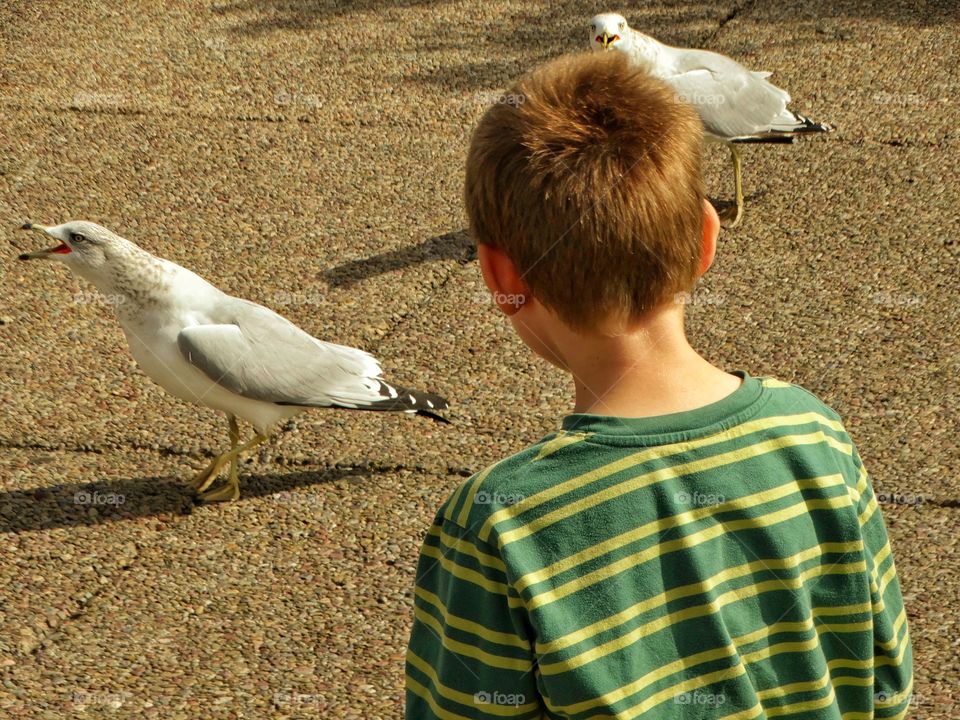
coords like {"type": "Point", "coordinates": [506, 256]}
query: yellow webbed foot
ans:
{"type": "Point", "coordinates": [227, 492]}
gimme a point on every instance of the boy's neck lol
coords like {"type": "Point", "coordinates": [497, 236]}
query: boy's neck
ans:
{"type": "Point", "coordinates": [652, 370]}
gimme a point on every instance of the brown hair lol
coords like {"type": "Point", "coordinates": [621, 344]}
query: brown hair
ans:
{"type": "Point", "coordinates": [587, 174]}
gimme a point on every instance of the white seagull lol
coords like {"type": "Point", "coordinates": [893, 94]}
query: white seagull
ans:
{"type": "Point", "coordinates": [735, 104]}
{"type": "Point", "coordinates": [207, 347]}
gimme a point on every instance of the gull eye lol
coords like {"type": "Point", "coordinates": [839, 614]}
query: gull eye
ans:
{"type": "Point", "coordinates": [77, 238]}
{"type": "Point", "coordinates": [593, 27]}
{"type": "Point", "coordinates": [621, 26]}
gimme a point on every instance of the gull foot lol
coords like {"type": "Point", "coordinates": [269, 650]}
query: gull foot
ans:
{"type": "Point", "coordinates": [227, 492]}
{"type": "Point", "coordinates": [204, 479]}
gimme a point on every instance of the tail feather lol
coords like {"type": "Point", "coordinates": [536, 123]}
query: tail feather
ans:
{"type": "Point", "coordinates": [794, 124]}
{"type": "Point", "coordinates": [401, 399]}
{"type": "Point", "coordinates": [392, 399]}
{"type": "Point", "coordinates": [791, 122]}
{"type": "Point", "coordinates": [806, 125]}
{"type": "Point", "coordinates": [784, 138]}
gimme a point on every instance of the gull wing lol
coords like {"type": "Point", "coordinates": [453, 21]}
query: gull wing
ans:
{"type": "Point", "coordinates": [254, 352]}
{"type": "Point", "coordinates": [732, 101]}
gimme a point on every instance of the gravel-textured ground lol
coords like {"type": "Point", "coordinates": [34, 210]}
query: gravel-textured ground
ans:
{"type": "Point", "coordinates": [308, 155]}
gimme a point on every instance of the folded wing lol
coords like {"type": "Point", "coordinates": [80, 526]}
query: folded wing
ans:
{"type": "Point", "coordinates": [254, 352]}
{"type": "Point", "coordinates": [732, 101]}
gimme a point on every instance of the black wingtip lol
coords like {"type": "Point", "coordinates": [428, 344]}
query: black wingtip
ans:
{"type": "Point", "coordinates": [780, 138]}
{"type": "Point", "coordinates": [809, 125]}
{"type": "Point", "coordinates": [26, 226]}
{"type": "Point", "coordinates": [433, 416]}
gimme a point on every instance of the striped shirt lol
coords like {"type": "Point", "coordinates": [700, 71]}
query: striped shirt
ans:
{"type": "Point", "coordinates": [727, 562]}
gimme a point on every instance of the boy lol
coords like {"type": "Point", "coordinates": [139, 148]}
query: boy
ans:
{"type": "Point", "coordinates": [692, 543]}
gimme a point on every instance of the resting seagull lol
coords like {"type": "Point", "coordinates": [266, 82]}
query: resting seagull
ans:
{"type": "Point", "coordinates": [207, 347]}
{"type": "Point", "coordinates": [735, 104]}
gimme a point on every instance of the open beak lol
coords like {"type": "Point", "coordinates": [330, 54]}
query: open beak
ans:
{"type": "Point", "coordinates": [61, 249]}
{"type": "Point", "coordinates": [607, 40]}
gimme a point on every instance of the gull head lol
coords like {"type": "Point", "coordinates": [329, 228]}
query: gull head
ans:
{"type": "Point", "coordinates": [86, 248]}
{"type": "Point", "coordinates": [607, 31]}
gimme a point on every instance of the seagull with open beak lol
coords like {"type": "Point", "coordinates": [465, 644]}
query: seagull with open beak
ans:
{"type": "Point", "coordinates": [229, 354]}
{"type": "Point", "coordinates": [607, 30]}
{"type": "Point", "coordinates": [61, 249]}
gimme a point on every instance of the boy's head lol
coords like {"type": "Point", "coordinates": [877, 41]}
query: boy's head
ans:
{"type": "Point", "coordinates": [589, 188]}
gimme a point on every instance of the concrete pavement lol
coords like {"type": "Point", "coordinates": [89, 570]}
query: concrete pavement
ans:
{"type": "Point", "coordinates": [308, 155]}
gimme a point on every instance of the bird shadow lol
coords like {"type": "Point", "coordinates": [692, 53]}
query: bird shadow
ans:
{"type": "Point", "coordinates": [727, 209]}
{"type": "Point", "coordinates": [455, 245]}
{"type": "Point", "coordinates": [95, 503]}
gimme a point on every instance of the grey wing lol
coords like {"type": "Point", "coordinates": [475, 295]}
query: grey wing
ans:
{"type": "Point", "coordinates": [732, 100]}
{"type": "Point", "coordinates": [258, 354]}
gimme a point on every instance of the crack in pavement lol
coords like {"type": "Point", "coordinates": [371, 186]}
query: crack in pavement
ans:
{"type": "Point", "coordinates": [175, 112]}
{"type": "Point", "coordinates": [735, 12]}
{"type": "Point", "coordinates": [179, 112]}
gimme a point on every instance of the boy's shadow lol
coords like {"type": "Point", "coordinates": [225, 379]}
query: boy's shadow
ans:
{"type": "Point", "coordinates": [70, 504]}
{"type": "Point", "coordinates": [455, 245]}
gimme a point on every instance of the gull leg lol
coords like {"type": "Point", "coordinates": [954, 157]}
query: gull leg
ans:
{"type": "Point", "coordinates": [234, 441]}
{"type": "Point", "coordinates": [231, 490]}
{"type": "Point", "coordinates": [205, 477]}
{"type": "Point", "coordinates": [738, 181]}
{"type": "Point", "coordinates": [233, 480]}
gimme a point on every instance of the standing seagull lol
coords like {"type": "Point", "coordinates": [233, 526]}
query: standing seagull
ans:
{"type": "Point", "coordinates": [735, 104]}
{"type": "Point", "coordinates": [207, 347]}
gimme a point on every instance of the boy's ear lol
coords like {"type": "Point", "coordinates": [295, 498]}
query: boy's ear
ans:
{"type": "Point", "coordinates": [711, 230]}
{"type": "Point", "coordinates": [507, 288]}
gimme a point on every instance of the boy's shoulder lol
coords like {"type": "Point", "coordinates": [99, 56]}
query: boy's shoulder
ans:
{"type": "Point", "coordinates": [785, 396]}
{"type": "Point", "coordinates": [526, 478]}
{"type": "Point", "coordinates": [508, 482]}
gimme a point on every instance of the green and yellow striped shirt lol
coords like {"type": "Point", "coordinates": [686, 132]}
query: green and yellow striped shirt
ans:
{"type": "Point", "coordinates": [727, 562]}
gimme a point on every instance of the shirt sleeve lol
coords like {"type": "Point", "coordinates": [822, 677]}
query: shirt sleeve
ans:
{"type": "Point", "coordinates": [893, 659]}
{"type": "Point", "coordinates": [471, 651]}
